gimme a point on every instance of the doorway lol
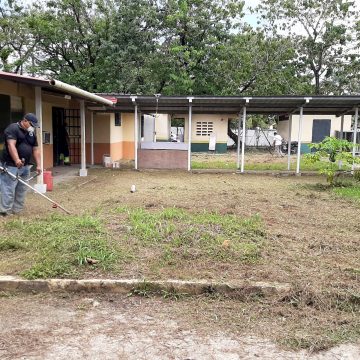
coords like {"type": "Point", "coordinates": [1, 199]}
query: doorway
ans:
{"type": "Point", "coordinates": [321, 129]}
{"type": "Point", "coordinates": [70, 120]}
{"type": "Point", "coordinates": [177, 130]}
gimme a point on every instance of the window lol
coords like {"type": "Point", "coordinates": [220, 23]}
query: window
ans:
{"type": "Point", "coordinates": [204, 128]}
{"type": "Point", "coordinates": [117, 119]}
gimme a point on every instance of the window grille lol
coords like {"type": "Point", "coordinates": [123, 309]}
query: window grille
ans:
{"type": "Point", "coordinates": [204, 128]}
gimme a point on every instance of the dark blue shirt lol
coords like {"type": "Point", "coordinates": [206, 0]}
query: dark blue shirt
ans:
{"type": "Point", "coordinates": [25, 142]}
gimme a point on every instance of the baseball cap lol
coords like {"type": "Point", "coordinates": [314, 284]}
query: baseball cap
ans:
{"type": "Point", "coordinates": [33, 119]}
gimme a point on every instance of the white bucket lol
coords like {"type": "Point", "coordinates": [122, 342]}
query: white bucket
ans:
{"type": "Point", "coordinates": [107, 160]}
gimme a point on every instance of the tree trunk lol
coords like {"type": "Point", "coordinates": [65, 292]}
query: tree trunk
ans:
{"type": "Point", "coordinates": [234, 137]}
{"type": "Point", "coordinates": [317, 82]}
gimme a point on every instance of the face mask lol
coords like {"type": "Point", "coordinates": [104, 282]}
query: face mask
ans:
{"type": "Point", "coordinates": [30, 129]}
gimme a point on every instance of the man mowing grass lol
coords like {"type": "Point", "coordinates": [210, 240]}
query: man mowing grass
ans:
{"type": "Point", "coordinates": [20, 144]}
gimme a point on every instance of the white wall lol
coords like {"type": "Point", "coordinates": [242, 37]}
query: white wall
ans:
{"type": "Point", "coordinates": [149, 128]}
{"type": "Point", "coordinates": [162, 127]}
{"type": "Point", "coordinates": [283, 126]}
{"type": "Point", "coordinates": [256, 137]}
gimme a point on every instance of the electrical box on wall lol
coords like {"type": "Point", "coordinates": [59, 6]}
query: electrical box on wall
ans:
{"type": "Point", "coordinates": [46, 137]}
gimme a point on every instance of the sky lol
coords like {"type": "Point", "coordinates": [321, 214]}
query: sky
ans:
{"type": "Point", "coordinates": [251, 19]}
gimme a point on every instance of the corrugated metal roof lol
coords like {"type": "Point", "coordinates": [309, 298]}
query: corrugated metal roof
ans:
{"type": "Point", "coordinates": [46, 84]}
{"type": "Point", "coordinates": [277, 105]}
{"type": "Point", "coordinates": [24, 79]}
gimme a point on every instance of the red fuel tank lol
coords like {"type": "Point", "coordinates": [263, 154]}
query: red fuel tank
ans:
{"type": "Point", "coordinates": [48, 180]}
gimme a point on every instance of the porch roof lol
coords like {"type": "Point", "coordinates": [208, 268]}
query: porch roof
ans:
{"type": "Point", "coordinates": [56, 87]}
{"type": "Point", "coordinates": [276, 105]}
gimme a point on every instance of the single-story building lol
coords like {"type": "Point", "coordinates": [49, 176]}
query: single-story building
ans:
{"type": "Point", "coordinates": [302, 119]}
{"type": "Point", "coordinates": [315, 129]}
{"type": "Point", "coordinates": [55, 104]}
{"type": "Point", "coordinates": [139, 128]}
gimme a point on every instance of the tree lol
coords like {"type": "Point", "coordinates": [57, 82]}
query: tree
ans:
{"type": "Point", "coordinates": [74, 55]}
{"type": "Point", "coordinates": [190, 31]}
{"type": "Point", "coordinates": [321, 30]}
{"type": "Point", "coordinates": [16, 43]}
{"type": "Point", "coordinates": [334, 150]}
{"type": "Point", "coordinates": [251, 63]}
{"type": "Point", "coordinates": [131, 51]}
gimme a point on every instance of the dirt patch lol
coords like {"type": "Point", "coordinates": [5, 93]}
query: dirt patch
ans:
{"type": "Point", "coordinates": [44, 327]}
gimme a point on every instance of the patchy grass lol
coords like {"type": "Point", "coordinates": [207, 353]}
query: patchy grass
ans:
{"type": "Point", "coordinates": [253, 161]}
{"type": "Point", "coordinates": [293, 230]}
{"type": "Point", "coordinates": [219, 164]}
{"type": "Point", "coordinates": [174, 235]}
{"type": "Point", "coordinates": [347, 189]}
{"type": "Point", "coordinates": [58, 245]}
{"type": "Point", "coordinates": [350, 192]}
{"type": "Point", "coordinates": [9, 244]}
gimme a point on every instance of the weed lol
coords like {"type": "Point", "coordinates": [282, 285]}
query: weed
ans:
{"type": "Point", "coordinates": [48, 268]}
{"type": "Point", "coordinates": [173, 294]}
{"type": "Point", "coordinates": [353, 271]}
{"type": "Point", "coordinates": [144, 289]}
{"type": "Point", "coordinates": [183, 235]}
{"type": "Point", "coordinates": [10, 245]}
{"type": "Point", "coordinates": [58, 245]}
{"type": "Point", "coordinates": [5, 294]}
{"type": "Point", "coordinates": [357, 175]}
{"type": "Point", "coordinates": [316, 342]}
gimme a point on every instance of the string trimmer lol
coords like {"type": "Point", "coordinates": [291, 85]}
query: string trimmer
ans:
{"type": "Point", "coordinates": [55, 204]}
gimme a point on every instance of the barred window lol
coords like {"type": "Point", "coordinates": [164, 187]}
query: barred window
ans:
{"type": "Point", "coordinates": [204, 128]}
{"type": "Point", "coordinates": [117, 119]}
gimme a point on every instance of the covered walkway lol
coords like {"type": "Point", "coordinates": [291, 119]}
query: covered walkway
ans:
{"type": "Point", "coordinates": [243, 106]}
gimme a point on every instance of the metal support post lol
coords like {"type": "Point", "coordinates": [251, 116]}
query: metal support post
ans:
{"type": "Point", "coordinates": [136, 136]}
{"type": "Point", "coordinates": [190, 130]}
{"type": "Point", "coordinates": [243, 140]}
{"type": "Point", "coordinates": [38, 109]}
{"type": "Point", "coordinates": [289, 142]}
{"type": "Point", "coordinates": [355, 134]}
{"type": "Point", "coordinates": [83, 170]}
{"type": "Point", "coordinates": [299, 141]}
{"type": "Point", "coordinates": [92, 137]}
{"type": "Point", "coordinates": [238, 144]}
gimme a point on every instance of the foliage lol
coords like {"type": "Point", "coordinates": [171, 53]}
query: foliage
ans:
{"type": "Point", "coordinates": [177, 47]}
{"type": "Point", "coordinates": [130, 57]}
{"type": "Point", "coordinates": [74, 55]}
{"type": "Point", "coordinates": [192, 31]}
{"type": "Point", "coordinates": [321, 32]}
{"type": "Point", "coordinates": [334, 150]}
{"type": "Point", "coordinates": [16, 42]}
{"type": "Point", "coordinates": [241, 66]}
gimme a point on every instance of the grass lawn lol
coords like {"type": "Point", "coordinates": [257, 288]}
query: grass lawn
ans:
{"type": "Point", "coordinates": [221, 227]}
{"type": "Point", "coordinates": [254, 160]}
{"type": "Point", "coordinates": [352, 192]}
